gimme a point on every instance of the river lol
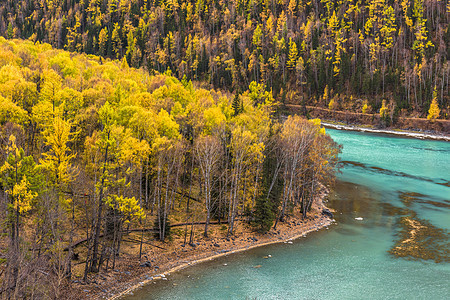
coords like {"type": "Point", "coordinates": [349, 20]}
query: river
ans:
{"type": "Point", "coordinates": [400, 187]}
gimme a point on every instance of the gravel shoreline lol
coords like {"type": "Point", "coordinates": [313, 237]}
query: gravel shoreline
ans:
{"type": "Point", "coordinates": [293, 229]}
{"type": "Point", "coordinates": [184, 265]}
{"type": "Point", "coordinates": [410, 134]}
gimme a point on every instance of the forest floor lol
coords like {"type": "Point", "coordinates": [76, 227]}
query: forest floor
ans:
{"type": "Point", "coordinates": [162, 258]}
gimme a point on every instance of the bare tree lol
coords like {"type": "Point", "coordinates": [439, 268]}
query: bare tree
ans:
{"type": "Point", "coordinates": [208, 152]}
{"type": "Point", "coordinates": [296, 137]}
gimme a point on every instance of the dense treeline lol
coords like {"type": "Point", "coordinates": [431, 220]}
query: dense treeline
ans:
{"type": "Point", "coordinates": [360, 51]}
{"type": "Point", "coordinates": [90, 148]}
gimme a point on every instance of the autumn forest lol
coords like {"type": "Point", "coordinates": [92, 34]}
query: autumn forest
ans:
{"type": "Point", "coordinates": [92, 147]}
{"type": "Point", "coordinates": [120, 116]}
{"type": "Point", "coordinates": [362, 52]}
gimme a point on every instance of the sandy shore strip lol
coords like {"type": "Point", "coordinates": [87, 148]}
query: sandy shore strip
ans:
{"type": "Point", "coordinates": [410, 134]}
{"type": "Point", "coordinates": [313, 225]}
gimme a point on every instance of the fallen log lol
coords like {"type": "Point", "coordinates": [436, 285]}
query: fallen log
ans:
{"type": "Point", "coordinates": [199, 223]}
{"type": "Point", "coordinates": [79, 242]}
{"type": "Point", "coordinates": [138, 242]}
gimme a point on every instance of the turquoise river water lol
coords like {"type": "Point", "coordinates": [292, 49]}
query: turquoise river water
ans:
{"type": "Point", "coordinates": [400, 250]}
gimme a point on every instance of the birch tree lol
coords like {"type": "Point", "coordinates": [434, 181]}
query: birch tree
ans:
{"type": "Point", "coordinates": [208, 152]}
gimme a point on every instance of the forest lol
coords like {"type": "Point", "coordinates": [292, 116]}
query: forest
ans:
{"type": "Point", "coordinates": [91, 148]}
{"type": "Point", "coordinates": [345, 54]}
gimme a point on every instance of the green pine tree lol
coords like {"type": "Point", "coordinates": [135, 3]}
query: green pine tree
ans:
{"type": "Point", "coordinates": [264, 216]}
{"type": "Point", "coordinates": [267, 203]}
{"type": "Point", "coordinates": [10, 31]}
{"type": "Point", "coordinates": [237, 105]}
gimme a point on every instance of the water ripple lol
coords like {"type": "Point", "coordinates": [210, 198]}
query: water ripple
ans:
{"type": "Point", "coordinates": [379, 170]}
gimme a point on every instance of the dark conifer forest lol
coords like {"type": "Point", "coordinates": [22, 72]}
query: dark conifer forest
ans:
{"type": "Point", "coordinates": [359, 52]}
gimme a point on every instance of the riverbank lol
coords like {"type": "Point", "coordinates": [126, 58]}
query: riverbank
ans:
{"type": "Point", "coordinates": [131, 274]}
{"type": "Point", "coordinates": [405, 133]}
{"type": "Point", "coordinates": [414, 127]}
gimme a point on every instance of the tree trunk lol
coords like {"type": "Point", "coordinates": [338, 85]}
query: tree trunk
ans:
{"type": "Point", "coordinates": [94, 267]}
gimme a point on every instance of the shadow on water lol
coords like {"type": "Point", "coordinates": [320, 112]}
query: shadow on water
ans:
{"type": "Point", "coordinates": [392, 210]}
{"type": "Point", "coordinates": [418, 238]}
{"type": "Point", "coordinates": [430, 149]}
{"type": "Point", "coordinates": [351, 200]}
{"type": "Point", "coordinates": [348, 197]}
{"type": "Point", "coordinates": [408, 198]}
{"type": "Point", "coordinates": [383, 171]}
{"type": "Point", "coordinates": [444, 204]}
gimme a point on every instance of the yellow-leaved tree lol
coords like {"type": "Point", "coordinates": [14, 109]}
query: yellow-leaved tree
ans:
{"type": "Point", "coordinates": [128, 208]}
{"type": "Point", "coordinates": [11, 112]}
{"type": "Point", "coordinates": [366, 108]}
{"type": "Point", "coordinates": [332, 105]}
{"type": "Point", "coordinates": [326, 94]}
{"type": "Point", "coordinates": [22, 196]}
{"type": "Point", "coordinates": [293, 54]}
{"type": "Point", "coordinates": [20, 178]}
{"type": "Point", "coordinates": [384, 110]}
{"type": "Point", "coordinates": [434, 111]}
{"type": "Point", "coordinates": [57, 165]}
{"type": "Point", "coordinates": [57, 160]}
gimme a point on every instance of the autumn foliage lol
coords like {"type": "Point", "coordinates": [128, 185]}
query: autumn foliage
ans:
{"type": "Point", "coordinates": [371, 50]}
{"type": "Point", "coordinates": [91, 148]}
